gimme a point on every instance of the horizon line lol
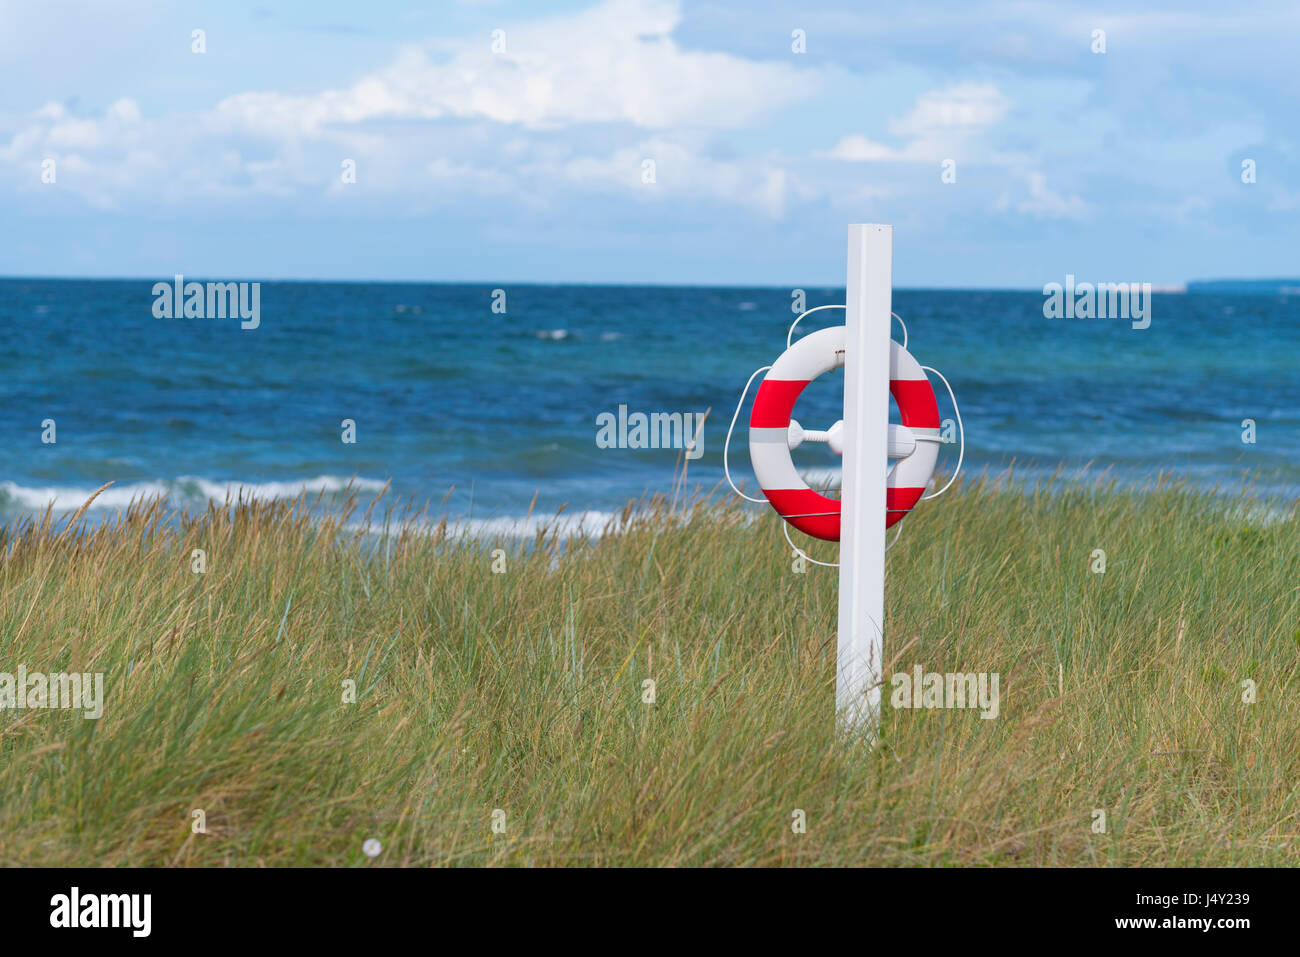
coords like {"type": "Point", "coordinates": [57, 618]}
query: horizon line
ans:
{"type": "Point", "coordinates": [1167, 288]}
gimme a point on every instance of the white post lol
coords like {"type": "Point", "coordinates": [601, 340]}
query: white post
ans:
{"type": "Point", "coordinates": [862, 524]}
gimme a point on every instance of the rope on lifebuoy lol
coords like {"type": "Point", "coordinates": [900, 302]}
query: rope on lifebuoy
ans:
{"type": "Point", "coordinates": [961, 454]}
{"type": "Point", "coordinates": [809, 312]}
{"type": "Point", "coordinates": [785, 527]}
{"type": "Point", "coordinates": [725, 445]}
{"type": "Point", "coordinates": [779, 431]}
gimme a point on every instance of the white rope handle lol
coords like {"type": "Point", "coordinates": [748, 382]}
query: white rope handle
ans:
{"type": "Point", "coordinates": [962, 453]}
{"type": "Point", "coordinates": [904, 325]}
{"type": "Point", "coordinates": [790, 335]}
{"type": "Point", "coordinates": [727, 444]}
{"type": "Point", "coordinates": [807, 312]}
{"type": "Point", "coordinates": [785, 527]}
{"type": "Point", "coordinates": [898, 531]}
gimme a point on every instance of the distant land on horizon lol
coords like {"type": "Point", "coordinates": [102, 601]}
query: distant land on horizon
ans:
{"type": "Point", "coordinates": [1259, 287]}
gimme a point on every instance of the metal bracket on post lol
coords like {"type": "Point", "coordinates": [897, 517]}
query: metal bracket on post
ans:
{"type": "Point", "coordinates": [865, 438]}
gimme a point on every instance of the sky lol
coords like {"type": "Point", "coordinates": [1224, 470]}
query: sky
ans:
{"type": "Point", "coordinates": [650, 141]}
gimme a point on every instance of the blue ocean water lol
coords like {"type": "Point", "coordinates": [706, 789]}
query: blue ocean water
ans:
{"type": "Point", "coordinates": [478, 411]}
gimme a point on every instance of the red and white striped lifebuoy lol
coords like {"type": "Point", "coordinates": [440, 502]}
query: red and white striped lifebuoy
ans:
{"type": "Point", "coordinates": [915, 445]}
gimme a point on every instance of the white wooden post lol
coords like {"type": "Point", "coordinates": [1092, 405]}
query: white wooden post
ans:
{"type": "Point", "coordinates": [862, 524]}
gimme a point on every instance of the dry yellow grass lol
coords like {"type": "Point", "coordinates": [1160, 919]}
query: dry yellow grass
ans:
{"type": "Point", "coordinates": [523, 692]}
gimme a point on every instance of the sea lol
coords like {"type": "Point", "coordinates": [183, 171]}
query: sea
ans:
{"type": "Point", "coordinates": [487, 402]}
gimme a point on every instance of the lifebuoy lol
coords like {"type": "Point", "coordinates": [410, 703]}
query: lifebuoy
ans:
{"type": "Point", "coordinates": [915, 444]}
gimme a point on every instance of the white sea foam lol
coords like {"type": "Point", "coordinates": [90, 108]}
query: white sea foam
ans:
{"type": "Point", "coordinates": [191, 491]}
{"type": "Point", "coordinates": [591, 524]}
{"type": "Point", "coordinates": [66, 498]}
{"type": "Point", "coordinates": [185, 490]}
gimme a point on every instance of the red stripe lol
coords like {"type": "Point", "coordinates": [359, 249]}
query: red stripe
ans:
{"type": "Point", "coordinates": [801, 504]}
{"type": "Point", "coordinates": [899, 501]}
{"type": "Point", "coordinates": [774, 402]}
{"type": "Point", "coordinates": [802, 501]}
{"type": "Point", "coordinates": [811, 512]}
{"type": "Point", "coordinates": [916, 405]}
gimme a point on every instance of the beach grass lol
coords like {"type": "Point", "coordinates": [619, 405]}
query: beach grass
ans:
{"type": "Point", "coordinates": [500, 717]}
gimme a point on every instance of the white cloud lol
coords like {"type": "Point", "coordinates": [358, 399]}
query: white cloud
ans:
{"type": "Point", "coordinates": [612, 65]}
{"type": "Point", "coordinates": [682, 174]}
{"type": "Point", "coordinates": [858, 149]}
{"type": "Point", "coordinates": [1044, 203]}
{"type": "Point", "coordinates": [963, 109]}
{"type": "Point", "coordinates": [944, 123]}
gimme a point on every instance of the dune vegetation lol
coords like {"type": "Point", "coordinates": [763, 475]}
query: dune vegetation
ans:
{"type": "Point", "coordinates": [281, 687]}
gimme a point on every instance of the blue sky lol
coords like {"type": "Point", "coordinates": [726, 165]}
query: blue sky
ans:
{"type": "Point", "coordinates": [527, 163]}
